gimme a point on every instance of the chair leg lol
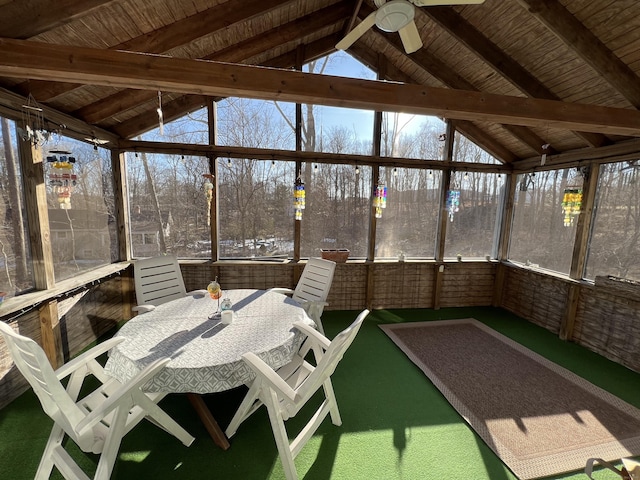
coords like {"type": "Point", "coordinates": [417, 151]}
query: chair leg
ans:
{"type": "Point", "coordinates": [333, 404]}
{"type": "Point", "coordinates": [245, 409]}
{"type": "Point", "coordinates": [47, 461]}
{"type": "Point", "coordinates": [281, 437]}
{"type": "Point", "coordinates": [112, 444]}
{"type": "Point", "coordinates": [162, 419]}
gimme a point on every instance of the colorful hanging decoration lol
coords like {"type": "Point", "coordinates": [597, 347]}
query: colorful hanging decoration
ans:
{"type": "Point", "coordinates": [61, 177]}
{"type": "Point", "coordinates": [298, 198]}
{"type": "Point", "coordinates": [453, 203]}
{"type": "Point", "coordinates": [380, 199]}
{"type": "Point", "coordinates": [208, 191]}
{"type": "Point", "coordinates": [571, 205]}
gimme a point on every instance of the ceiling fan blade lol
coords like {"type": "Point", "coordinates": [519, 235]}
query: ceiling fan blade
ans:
{"type": "Point", "coordinates": [433, 3]}
{"type": "Point", "coordinates": [351, 37]}
{"type": "Point", "coordinates": [410, 37]}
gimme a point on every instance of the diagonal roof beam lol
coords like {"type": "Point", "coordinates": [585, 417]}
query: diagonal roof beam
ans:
{"type": "Point", "coordinates": [42, 15]}
{"type": "Point", "coordinates": [171, 36]}
{"type": "Point", "coordinates": [582, 41]}
{"type": "Point", "coordinates": [449, 77]}
{"type": "Point", "coordinates": [11, 106]}
{"type": "Point", "coordinates": [236, 53]}
{"type": "Point", "coordinates": [26, 59]}
{"type": "Point", "coordinates": [368, 57]}
{"type": "Point", "coordinates": [502, 63]}
{"type": "Point", "coordinates": [187, 103]}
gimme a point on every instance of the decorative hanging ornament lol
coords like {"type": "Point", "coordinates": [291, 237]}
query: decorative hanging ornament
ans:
{"type": "Point", "coordinates": [61, 177]}
{"type": "Point", "coordinates": [571, 205]}
{"type": "Point", "coordinates": [380, 199]}
{"type": "Point", "coordinates": [33, 123]}
{"type": "Point", "coordinates": [160, 116]}
{"type": "Point", "coordinates": [298, 198]}
{"type": "Point", "coordinates": [208, 191]}
{"type": "Point", "coordinates": [453, 203]}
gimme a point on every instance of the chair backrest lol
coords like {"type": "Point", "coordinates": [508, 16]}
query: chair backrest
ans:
{"type": "Point", "coordinates": [315, 281]}
{"type": "Point", "coordinates": [328, 362]}
{"type": "Point", "coordinates": [158, 280]}
{"type": "Point", "coordinates": [36, 369]}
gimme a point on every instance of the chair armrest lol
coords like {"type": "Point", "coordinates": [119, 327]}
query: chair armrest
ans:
{"type": "Point", "coordinates": [82, 360]}
{"type": "Point", "coordinates": [117, 398]}
{"type": "Point", "coordinates": [268, 375]}
{"type": "Point", "coordinates": [143, 308]}
{"type": "Point", "coordinates": [315, 336]}
{"type": "Point", "coordinates": [285, 291]}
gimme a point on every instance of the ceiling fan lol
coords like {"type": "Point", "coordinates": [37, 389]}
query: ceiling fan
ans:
{"type": "Point", "coordinates": [397, 16]}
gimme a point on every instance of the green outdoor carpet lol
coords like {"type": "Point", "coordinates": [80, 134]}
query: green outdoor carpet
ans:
{"type": "Point", "coordinates": [396, 424]}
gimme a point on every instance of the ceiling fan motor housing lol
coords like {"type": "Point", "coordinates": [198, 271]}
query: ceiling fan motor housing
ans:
{"type": "Point", "coordinates": [394, 15]}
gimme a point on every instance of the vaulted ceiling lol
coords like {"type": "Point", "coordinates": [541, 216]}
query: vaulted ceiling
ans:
{"type": "Point", "coordinates": [519, 77]}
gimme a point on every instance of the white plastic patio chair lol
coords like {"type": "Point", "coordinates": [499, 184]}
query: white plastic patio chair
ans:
{"type": "Point", "coordinates": [97, 422]}
{"type": "Point", "coordinates": [158, 280]}
{"type": "Point", "coordinates": [313, 288]}
{"type": "Point", "coordinates": [287, 390]}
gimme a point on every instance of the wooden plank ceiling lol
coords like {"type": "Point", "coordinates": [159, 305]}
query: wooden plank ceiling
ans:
{"type": "Point", "coordinates": [524, 73]}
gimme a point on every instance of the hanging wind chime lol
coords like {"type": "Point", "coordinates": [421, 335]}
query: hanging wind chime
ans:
{"type": "Point", "coordinates": [61, 177]}
{"type": "Point", "coordinates": [33, 124]}
{"type": "Point", "coordinates": [298, 198]}
{"type": "Point", "coordinates": [208, 191]}
{"type": "Point", "coordinates": [571, 205]}
{"type": "Point", "coordinates": [453, 203]}
{"type": "Point", "coordinates": [380, 199]}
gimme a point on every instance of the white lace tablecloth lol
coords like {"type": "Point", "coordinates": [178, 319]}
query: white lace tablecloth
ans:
{"type": "Point", "coordinates": [206, 354]}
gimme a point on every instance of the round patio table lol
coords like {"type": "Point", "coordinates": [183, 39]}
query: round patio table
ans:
{"type": "Point", "coordinates": [205, 353]}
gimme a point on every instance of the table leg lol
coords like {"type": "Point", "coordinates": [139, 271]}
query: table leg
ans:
{"type": "Point", "coordinates": [210, 423]}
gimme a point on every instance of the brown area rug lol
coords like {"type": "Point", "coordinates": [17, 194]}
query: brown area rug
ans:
{"type": "Point", "coordinates": [538, 417]}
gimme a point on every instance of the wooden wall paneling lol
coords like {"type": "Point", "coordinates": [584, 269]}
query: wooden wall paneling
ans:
{"type": "Point", "coordinates": [609, 324]}
{"type": "Point", "coordinates": [468, 284]}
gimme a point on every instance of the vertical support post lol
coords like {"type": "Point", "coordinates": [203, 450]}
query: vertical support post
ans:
{"type": "Point", "coordinates": [297, 224]}
{"type": "Point", "coordinates": [583, 229]}
{"type": "Point", "coordinates": [35, 196]}
{"type": "Point", "coordinates": [118, 165]}
{"type": "Point", "coordinates": [506, 222]}
{"type": "Point", "coordinates": [50, 331]}
{"type": "Point", "coordinates": [569, 318]}
{"type": "Point", "coordinates": [212, 111]}
{"type": "Point", "coordinates": [40, 243]}
{"type": "Point", "coordinates": [445, 186]}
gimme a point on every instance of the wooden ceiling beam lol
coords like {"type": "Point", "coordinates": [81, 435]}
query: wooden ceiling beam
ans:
{"type": "Point", "coordinates": [11, 107]}
{"type": "Point", "coordinates": [581, 40]}
{"type": "Point", "coordinates": [125, 100]}
{"type": "Point", "coordinates": [166, 38]}
{"type": "Point", "coordinates": [315, 157]}
{"type": "Point", "coordinates": [450, 78]}
{"type": "Point", "coordinates": [22, 58]}
{"type": "Point", "coordinates": [25, 19]}
{"type": "Point", "coordinates": [187, 103]}
{"type": "Point", "coordinates": [468, 129]}
{"type": "Point", "coordinates": [502, 63]}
